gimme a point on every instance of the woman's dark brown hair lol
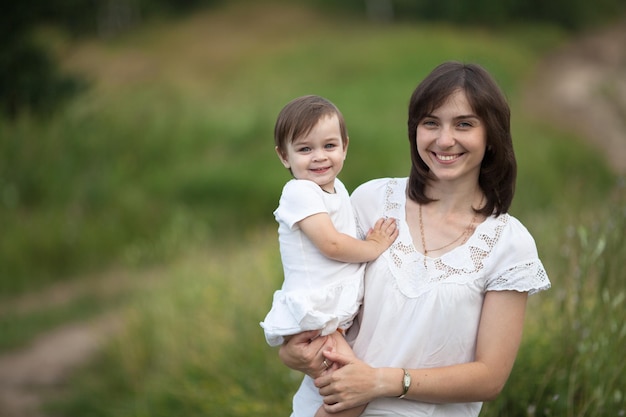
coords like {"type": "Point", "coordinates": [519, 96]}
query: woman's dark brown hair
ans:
{"type": "Point", "coordinates": [498, 169]}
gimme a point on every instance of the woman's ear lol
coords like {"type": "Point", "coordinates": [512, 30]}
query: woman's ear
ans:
{"type": "Point", "coordinates": [282, 157]}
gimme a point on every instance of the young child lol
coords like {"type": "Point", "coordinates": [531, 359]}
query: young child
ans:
{"type": "Point", "coordinates": [323, 261]}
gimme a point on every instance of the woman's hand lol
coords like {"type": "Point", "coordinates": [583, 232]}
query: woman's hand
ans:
{"type": "Point", "coordinates": [303, 352]}
{"type": "Point", "coordinates": [354, 383]}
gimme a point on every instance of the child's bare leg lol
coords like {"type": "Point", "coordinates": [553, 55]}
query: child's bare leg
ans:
{"type": "Point", "coordinates": [340, 345]}
{"type": "Point", "coordinates": [337, 343]}
{"type": "Point", "coordinates": [351, 412]}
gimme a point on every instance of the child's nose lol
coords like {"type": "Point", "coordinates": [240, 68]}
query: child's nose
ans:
{"type": "Point", "coordinates": [319, 155]}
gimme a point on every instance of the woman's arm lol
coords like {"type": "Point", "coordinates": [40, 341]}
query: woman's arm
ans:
{"type": "Point", "coordinates": [498, 340]}
{"type": "Point", "coordinates": [342, 247]}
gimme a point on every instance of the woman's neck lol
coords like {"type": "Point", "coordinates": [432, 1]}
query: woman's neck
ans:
{"type": "Point", "coordinates": [455, 199]}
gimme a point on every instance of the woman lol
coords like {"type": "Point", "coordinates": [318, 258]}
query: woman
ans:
{"type": "Point", "coordinates": [444, 306]}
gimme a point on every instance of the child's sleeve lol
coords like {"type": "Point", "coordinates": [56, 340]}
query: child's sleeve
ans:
{"type": "Point", "coordinates": [299, 200]}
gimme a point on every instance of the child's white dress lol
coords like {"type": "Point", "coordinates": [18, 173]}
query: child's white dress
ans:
{"type": "Point", "coordinates": [317, 292]}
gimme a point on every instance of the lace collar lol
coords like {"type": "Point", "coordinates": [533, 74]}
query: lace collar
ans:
{"type": "Point", "coordinates": [460, 263]}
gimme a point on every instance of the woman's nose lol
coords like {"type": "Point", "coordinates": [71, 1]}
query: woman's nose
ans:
{"type": "Point", "coordinates": [446, 138]}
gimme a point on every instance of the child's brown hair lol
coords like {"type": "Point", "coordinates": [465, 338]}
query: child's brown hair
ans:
{"type": "Point", "coordinates": [300, 115]}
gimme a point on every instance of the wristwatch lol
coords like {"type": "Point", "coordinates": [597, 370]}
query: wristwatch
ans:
{"type": "Point", "coordinates": [406, 383]}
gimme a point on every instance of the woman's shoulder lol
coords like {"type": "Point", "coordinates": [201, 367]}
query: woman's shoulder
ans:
{"type": "Point", "coordinates": [514, 259]}
{"type": "Point", "coordinates": [378, 185]}
{"type": "Point", "coordinates": [378, 198]}
{"type": "Point", "coordinates": [513, 237]}
{"type": "Point", "coordinates": [517, 231]}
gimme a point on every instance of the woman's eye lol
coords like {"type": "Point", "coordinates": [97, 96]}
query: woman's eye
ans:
{"type": "Point", "coordinates": [465, 125]}
{"type": "Point", "coordinates": [429, 123]}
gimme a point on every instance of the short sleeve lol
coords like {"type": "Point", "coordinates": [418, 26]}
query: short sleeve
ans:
{"type": "Point", "coordinates": [517, 264]}
{"type": "Point", "coordinates": [299, 200]}
{"type": "Point", "coordinates": [528, 277]}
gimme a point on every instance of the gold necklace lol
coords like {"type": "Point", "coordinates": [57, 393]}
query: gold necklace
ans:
{"type": "Point", "coordinates": [466, 233]}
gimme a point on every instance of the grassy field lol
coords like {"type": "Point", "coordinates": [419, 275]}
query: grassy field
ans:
{"type": "Point", "coordinates": [168, 163]}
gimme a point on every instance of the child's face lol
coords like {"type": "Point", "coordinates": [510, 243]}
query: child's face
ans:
{"type": "Point", "coordinates": [317, 156]}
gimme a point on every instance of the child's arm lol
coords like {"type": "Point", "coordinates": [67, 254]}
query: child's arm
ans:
{"type": "Point", "coordinates": [341, 247]}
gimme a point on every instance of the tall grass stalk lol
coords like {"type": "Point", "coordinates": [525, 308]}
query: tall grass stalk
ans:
{"type": "Point", "coordinates": [571, 362]}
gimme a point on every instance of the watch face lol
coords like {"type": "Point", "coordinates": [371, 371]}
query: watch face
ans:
{"type": "Point", "coordinates": [406, 383]}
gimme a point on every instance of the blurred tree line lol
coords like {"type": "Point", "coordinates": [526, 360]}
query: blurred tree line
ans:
{"type": "Point", "coordinates": [30, 79]}
{"type": "Point", "coordinates": [568, 14]}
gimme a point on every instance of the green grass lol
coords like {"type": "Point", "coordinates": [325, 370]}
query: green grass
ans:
{"type": "Point", "coordinates": [177, 130]}
{"type": "Point", "coordinates": [193, 345]}
{"type": "Point", "coordinates": [168, 164]}
{"type": "Point", "coordinates": [571, 359]}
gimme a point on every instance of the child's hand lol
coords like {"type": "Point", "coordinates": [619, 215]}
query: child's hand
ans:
{"type": "Point", "coordinates": [383, 234]}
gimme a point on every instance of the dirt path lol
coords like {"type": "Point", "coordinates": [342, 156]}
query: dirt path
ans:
{"type": "Point", "coordinates": [582, 86]}
{"type": "Point", "coordinates": [36, 372]}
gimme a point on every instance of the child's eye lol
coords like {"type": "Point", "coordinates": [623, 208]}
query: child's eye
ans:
{"type": "Point", "coordinates": [330, 146]}
{"type": "Point", "coordinates": [304, 149]}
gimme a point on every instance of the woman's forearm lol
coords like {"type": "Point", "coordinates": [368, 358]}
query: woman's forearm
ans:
{"type": "Point", "coordinates": [357, 384]}
{"type": "Point", "coordinates": [499, 337]}
{"type": "Point", "coordinates": [470, 382]}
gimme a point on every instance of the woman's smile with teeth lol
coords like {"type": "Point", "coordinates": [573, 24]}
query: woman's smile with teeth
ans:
{"type": "Point", "coordinates": [446, 157]}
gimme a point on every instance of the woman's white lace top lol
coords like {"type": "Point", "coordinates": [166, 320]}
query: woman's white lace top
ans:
{"type": "Point", "coordinates": [422, 312]}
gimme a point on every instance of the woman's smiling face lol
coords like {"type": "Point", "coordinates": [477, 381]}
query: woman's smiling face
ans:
{"type": "Point", "coordinates": [452, 140]}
